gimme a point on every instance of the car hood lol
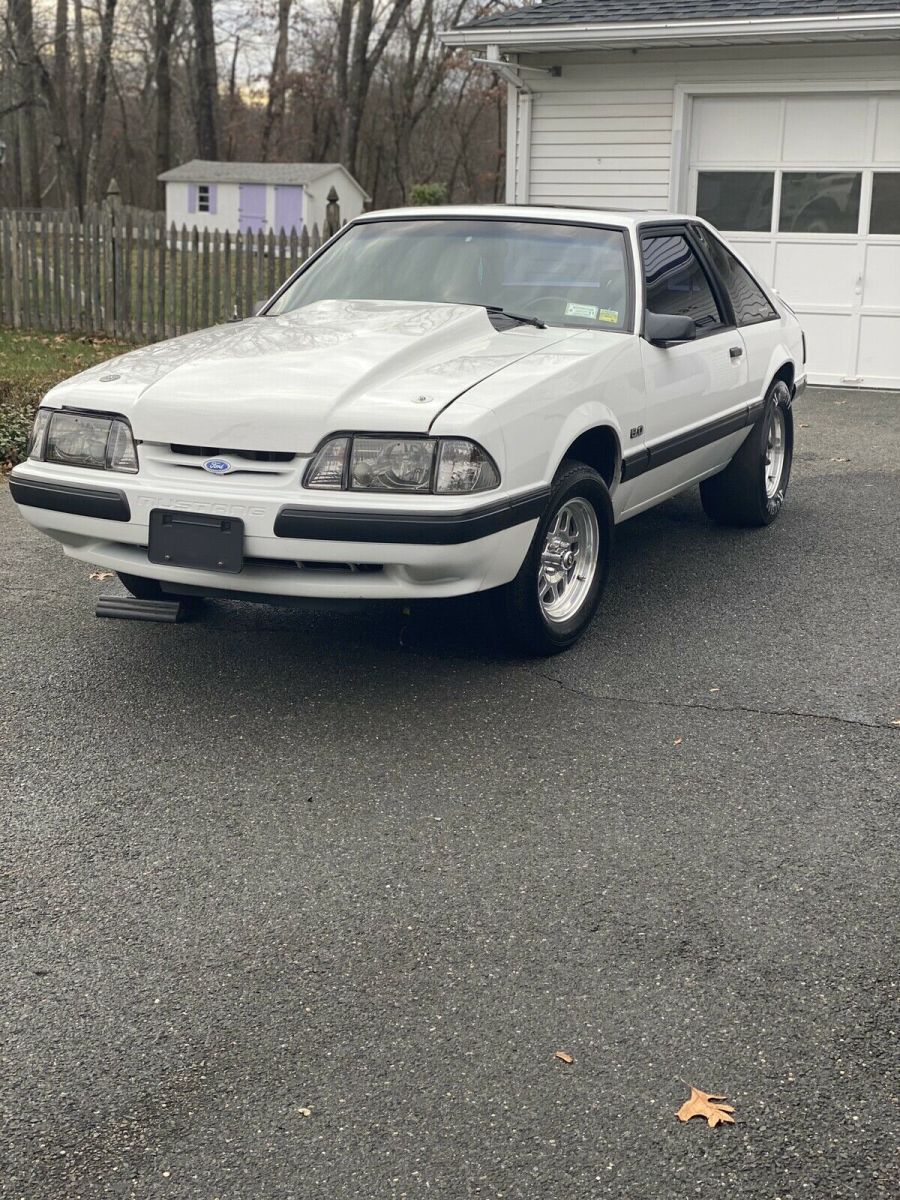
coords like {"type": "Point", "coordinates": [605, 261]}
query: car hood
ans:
{"type": "Point", "coordinates": [284, 382]}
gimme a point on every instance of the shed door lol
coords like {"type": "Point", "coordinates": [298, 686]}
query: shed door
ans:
{"type": "Point", "coordinates": [807, 188]}
{"type": "Point", "coordinates": [288, 208]}
{"type": "Point", "coordinates": [253, 207]}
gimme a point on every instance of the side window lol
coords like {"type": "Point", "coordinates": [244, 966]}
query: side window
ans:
{"type": "Point", "coordinates": [676, 282]}
{"type": "Point", "coordinates": [747, 297]}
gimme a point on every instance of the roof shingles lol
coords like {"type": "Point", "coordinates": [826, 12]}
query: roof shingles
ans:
{"type": "Point", "coordinates": [200, 170]}
{"type": "Point", "coordinates": [628, 12]}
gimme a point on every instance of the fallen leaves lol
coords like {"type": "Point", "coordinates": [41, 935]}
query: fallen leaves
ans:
{"type": "Point", "coordinates": [839, 460]}
{"type": "Point", "coordinates": [563, 1056]}
{"type": "Point", "coordinates": [101, 576]}
{"type": "Point", "coordinates": [305, 1112]}
{"type": "Point", "coordinates": [678, 741]}
{"type": "Point", "coordinates": [706, 1104]}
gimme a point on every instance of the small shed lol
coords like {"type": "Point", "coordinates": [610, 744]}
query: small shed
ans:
{"type": "Point", "coordinates": [250, 197]}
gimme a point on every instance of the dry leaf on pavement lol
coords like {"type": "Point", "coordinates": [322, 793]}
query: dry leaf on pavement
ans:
{"type": "Point", "coordinates": [678, 741]}
{"type": "Point", "coordinates": [563, 1056]}
{"type": "Point", "coordinates": [705, 1104]}
{"type": "Point", "coordinates": [100, 576]}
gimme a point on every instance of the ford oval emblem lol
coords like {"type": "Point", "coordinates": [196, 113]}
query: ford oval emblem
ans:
{"type": "Point", "coordinates": [217, 466]}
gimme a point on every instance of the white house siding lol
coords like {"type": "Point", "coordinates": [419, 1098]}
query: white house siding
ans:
{"type": "Point", "coordinates": [634, 131]}
{"type": "Point", "coordinates": [602, 133]}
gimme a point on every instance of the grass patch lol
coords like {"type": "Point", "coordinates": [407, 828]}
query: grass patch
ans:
{"type": "Point", "coordinates": [30, 364]}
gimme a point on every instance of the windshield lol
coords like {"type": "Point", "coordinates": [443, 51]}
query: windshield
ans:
{"type": "Point", "coordinates": [561, 274]}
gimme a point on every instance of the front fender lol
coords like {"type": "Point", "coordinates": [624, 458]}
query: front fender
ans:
{"type": "Point", "coordinates": [546, 402]}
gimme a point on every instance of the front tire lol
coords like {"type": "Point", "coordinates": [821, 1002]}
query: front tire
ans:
{"type": "Point", "coordinates": [751, 489]}
{"type": "Point", "coordinates": [553, 598]}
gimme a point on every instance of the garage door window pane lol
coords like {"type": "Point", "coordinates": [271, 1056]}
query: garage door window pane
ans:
{"type": "Point", "coordinates": [819, 202]}
{"type": "Point", "coordinates": [736, 200]}
{"type": "Point", "coordinates": [885, 202]}
{"type": "Point", "coordinates": [676, 282]}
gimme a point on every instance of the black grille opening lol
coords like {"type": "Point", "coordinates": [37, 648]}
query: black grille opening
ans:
{"type": "Point", "coordinates": [362, 568]}
{"type": "Point", "coordinates": [288, 564]}
{"type": "Point", "coordinates": [215, 451]}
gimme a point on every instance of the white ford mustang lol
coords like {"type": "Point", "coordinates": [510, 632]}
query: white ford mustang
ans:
{"type": "Point", "coordinates": [441, 401]}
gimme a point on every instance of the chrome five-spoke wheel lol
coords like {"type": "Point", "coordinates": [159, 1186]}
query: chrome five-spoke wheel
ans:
{"type": "Point", "coordinates": [568, 561]}
{"type": "Point", "coordinates": [775, 444]}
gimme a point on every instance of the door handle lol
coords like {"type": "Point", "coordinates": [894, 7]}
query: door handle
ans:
{"type": "Point", "coordinates": [736, 352]}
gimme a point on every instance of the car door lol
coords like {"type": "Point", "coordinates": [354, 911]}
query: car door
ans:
{"type": "Point", "coordinates": [697, 390]}
{"type": "Point", "coordinates": [752, 309]}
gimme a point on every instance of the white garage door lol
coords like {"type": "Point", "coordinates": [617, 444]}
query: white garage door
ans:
{"type": "Point", "coordinates": [807, 187]}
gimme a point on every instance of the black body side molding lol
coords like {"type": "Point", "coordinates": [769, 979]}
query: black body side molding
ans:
{"type": "Point", "coordinates": [667, 451]}
{"type": "Point", "coordinates": [106, 503]}
{"type": "Point", "coordinates": [435, 529]}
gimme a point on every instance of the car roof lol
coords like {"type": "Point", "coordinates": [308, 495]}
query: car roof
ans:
{"type": "Point", "coordinates": [534, 212]}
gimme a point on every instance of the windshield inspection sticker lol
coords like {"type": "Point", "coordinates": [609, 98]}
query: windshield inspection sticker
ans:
{"type": "Point", "coordinates": [582, 310]}
{"type": "Point", "coordinates": [609, 314]}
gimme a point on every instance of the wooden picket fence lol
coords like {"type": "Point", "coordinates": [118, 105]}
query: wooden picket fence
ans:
{"type": "Point", "coordinates": [121, 271]}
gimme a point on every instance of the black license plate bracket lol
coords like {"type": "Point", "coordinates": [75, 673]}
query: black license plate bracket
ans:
{"type": "Point", "coordinates": [199, 540]}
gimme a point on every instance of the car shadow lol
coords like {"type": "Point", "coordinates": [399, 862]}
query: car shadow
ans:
{"type": "Point", "coordinates": [668, 551]}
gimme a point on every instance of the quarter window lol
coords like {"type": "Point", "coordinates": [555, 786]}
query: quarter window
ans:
{"type": "Point", "coordinates": [819, 202]}
{"type": "Point", "coordinates": [740, 200]}
{"type": "Point", "coordinates": [676, 282]}
{"type": "Point", "coordinates": [885, 202]}
{"type": "Point", "coordinates": [748, 299]}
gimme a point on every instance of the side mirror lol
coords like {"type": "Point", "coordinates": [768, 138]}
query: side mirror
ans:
{"type": "Point", "coordinates": [661, 329]}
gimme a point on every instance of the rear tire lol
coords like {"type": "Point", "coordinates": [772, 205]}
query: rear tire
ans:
{"type": "Point", "coordinates": [552, 600]}
{"type": "Point", "coordinates": [751, 490]}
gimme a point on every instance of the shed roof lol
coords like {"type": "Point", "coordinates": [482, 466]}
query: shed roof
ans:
{"type": "Point", "coordinates": [200, 170]}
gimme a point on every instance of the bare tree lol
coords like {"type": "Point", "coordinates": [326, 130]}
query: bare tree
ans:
{"type": "Point", "coordinates": [357, 57]}
{"type": "Point", "coordinates": [207, 79]}
{"type": "Point", "coordinates": [274, 118]}
{"type": "Point", "coordinates": [165, 17]}
{"type": "Point", "coordinates": [97, 105]}
{"type": "Point", "coordinates": [21, 19]}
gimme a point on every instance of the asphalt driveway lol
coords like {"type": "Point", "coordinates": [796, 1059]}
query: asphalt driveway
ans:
{"type": "Point", "coordinates": [302, 905]}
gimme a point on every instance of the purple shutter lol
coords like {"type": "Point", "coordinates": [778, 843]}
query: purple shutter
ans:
{"type": "Point", "coordinates": [212, 197]}
{"type": "Point", "coordinates": [192, 197]}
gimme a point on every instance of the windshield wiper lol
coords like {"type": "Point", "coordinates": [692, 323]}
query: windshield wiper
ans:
{"type": "Point", "coordinates": [501, 312]}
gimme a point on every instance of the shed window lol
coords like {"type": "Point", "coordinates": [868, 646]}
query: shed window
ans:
{"type": "Point", "coordinates": [203, 198]}
{"type": "Point", "coordinates": [736, 200]}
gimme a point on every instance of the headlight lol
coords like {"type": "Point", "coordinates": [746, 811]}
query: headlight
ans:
{"type": "Point", "coordinates": [443, 466]}
{"type": "Point", "coordinates": [77, 439]}
{"type": "Point", "coordinates": [38, 433]}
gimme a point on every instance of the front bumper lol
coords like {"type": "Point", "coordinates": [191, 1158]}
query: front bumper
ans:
{"type": "Point", "coordinates": [338, 547]}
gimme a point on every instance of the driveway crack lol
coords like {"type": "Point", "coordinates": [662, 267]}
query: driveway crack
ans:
{"type": "Point", "coordinates": [644, 702]}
